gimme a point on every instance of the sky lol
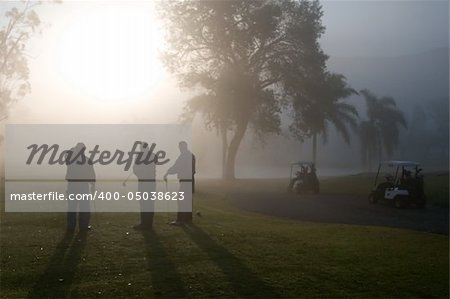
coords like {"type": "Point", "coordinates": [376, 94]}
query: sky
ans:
{"type": "Point", "coordinates": [353, 28]}
{"type": "Point", "coordinates": [384, 28]}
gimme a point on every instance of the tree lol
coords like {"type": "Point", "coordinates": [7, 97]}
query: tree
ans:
{"type": "Point", "coordinates": [209, 105]}
{"type": "Point", "coordinates": [418, 134]}
{"type": "Point", "coordinates": [19, 27]}
{"type": "Point", "coordinates": [236, 53]}
{"type": "Point", "coordinates": [318, 104]}
{"type": "Point", "coordinates": [439, 112]}
{"type": "Point", "coordinates": [381, 129]}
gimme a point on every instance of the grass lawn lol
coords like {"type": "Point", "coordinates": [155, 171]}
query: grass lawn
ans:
{"type": "Point", "coordinates": [227, 253]}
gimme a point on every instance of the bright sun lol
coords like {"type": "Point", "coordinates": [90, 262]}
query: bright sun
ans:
{"type": "Point", "coordinates": [110, 52]}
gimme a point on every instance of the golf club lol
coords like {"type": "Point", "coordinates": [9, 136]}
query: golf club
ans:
{"type": "Point", "coordinates": [167, 203]}
{"type": "Point", "coordinates": [95, 209]}
{"type": "Point", "coordinates": [124, 183]}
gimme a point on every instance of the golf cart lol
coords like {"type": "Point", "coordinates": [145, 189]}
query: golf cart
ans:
{"type": "Point", "coordinates": [303, 178]}
{"type": "Point", "coordinates": [403, 185]}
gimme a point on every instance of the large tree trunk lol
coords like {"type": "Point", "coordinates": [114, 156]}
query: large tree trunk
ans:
{"type": "Point", "coordinates": [314, 144]}
{"type": "Point", "coordinates": [223, 135]}
{"type": "Point", "coordinates": [233, 149]}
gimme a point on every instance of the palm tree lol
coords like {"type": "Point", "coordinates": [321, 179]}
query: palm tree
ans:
{"type": "Point", "coordinates": [323, 106]}
{"type": "Point", "coordinates": [381, 129]}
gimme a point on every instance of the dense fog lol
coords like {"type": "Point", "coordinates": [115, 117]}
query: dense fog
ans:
{"type": "Point", "coordinates": [399, 49]}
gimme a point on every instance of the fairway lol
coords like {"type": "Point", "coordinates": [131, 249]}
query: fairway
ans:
{"type": "Point", "coordinates": [226, 253]}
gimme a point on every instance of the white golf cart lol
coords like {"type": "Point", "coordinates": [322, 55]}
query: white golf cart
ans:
{"type": "Point", "coordinates": [303, 178]}
{"type": "Point", "coordinates": [403, 185]}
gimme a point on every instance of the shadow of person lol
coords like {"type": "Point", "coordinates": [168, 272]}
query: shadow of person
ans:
{"type": "Point", "coordinates": [57, 278]}
{"type": "Point", "coordinates": [166, 282]}
{"type": "Point", "coordinates": [246, 284]}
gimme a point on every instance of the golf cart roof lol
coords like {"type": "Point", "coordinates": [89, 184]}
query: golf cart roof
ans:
{"type": "Point", "coordinates": [399, 163]}
{"type": "Point", "coordinates": [303, 163]}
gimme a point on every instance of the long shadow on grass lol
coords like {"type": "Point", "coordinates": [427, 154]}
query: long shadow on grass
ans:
{"type": "Point", "coordinates": [165, 279]}
{"type": "Point", "coordinates": [57, 278]}
{"type": "Point", "coordinates": [245, 283]}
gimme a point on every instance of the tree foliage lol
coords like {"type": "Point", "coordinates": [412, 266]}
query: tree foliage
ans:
{"type": "Point", "coordinates": [318, 102]}
{"type": "Point", "coordinates": [237, 54]}
{"type": "Point", "coordinates": [381, 129]}
{"type": "Point", "coordinates": [19, 26]}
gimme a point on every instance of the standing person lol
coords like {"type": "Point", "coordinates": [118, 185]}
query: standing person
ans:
{"type": "Point", "coordinates": [145, 170]}
{"type": "Point", "coordinates": [80, 178]}
{"type": "Point", "coordinates": [184, 168]}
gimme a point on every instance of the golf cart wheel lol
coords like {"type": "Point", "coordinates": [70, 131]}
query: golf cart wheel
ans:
{"type": "Point", "coordinates": [399, 202]}
{"type": "Point", "coordinates": [372, 198]}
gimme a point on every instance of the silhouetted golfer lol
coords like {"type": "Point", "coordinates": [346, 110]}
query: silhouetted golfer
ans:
{"type": "Point", "coordinates": [80, 176]}
{"type": "Point", "coordinates": [184, 168]}
{"type": "Point", "coordinates": [145, 170]}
